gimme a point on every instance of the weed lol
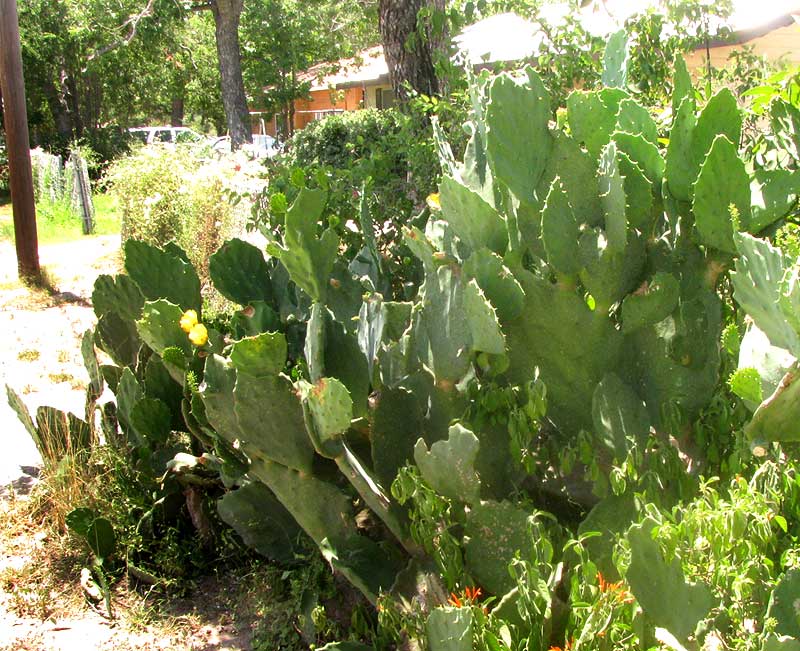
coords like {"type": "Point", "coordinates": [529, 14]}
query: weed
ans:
{"type": "Point", "coordinates": [61, 377]}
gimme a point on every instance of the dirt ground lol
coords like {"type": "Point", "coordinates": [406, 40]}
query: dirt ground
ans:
{"type": "Point", "coordinates": [40, 359]}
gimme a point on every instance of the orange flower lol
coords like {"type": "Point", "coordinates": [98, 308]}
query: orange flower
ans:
{"type": "Point", "coordinates": [454, 600]}
{"type": "Point", "coordinates": [567, 647]}
{"type": "Point", "coordinates": [468, 597]}
{"type": "Point", "coordinates": [472, 594]}
{"type": "Point", "coordinates": [622, 594]}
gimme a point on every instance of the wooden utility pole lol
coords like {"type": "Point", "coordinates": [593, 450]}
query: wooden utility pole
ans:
{"type": "Point", "coordinates": [18, 144]}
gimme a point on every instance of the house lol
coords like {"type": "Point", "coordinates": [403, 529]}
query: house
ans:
{"type": "Point", "coordinates": [347, 85]}
{"type": "Point", "coordinates": [771, 27]}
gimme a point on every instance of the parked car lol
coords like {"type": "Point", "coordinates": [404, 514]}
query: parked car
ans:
{"type": "Point", "coordinates": [167, 136]}
{"type": "Point", "coordinates": [264, 146]}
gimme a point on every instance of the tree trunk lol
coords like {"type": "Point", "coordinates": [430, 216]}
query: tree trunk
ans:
{"type": "Point", "coordinates": [409, 47]}
{"type": "Point", "coordinates": [59, 111]}
{"type": "Point", "coordinates": [176, 118]}
{"type": "Point", "coordinates": [73, 102]}
{"type": "Point", "coordinates": [226, 21]}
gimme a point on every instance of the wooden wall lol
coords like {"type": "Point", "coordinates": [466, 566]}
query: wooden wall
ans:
{"type": "Point", "coordinates": [783, 42]}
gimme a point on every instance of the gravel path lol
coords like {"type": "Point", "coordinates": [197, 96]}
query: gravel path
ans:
{"type": "Point", "coordinates": [40, 352]}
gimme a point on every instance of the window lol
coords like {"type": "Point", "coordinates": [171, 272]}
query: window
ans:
{"type": "Point", "coordinates": [384, 98]}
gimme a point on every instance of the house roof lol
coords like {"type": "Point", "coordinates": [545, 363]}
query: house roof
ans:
{"type": "Point", "coordinates": [749, 19]}
{"type": "Point", "coordinates": [508, 37]}
{"type": "Point", "coordinates": [369, 66]}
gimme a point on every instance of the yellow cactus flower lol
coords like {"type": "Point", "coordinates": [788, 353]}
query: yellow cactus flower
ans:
{"type": "Point", "coordinates": [198, 335]}
{"type": "Point", "coordinates": [188, 321]}
{"type": "Point", "coordinates": [433, 201]}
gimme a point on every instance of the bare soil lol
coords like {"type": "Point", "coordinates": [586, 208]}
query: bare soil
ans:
{"type": "Point", "coordinates": [41, 602]}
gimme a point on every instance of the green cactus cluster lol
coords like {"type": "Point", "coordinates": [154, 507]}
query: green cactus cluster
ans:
{"type": "Point", "coordinates": [577, 261]}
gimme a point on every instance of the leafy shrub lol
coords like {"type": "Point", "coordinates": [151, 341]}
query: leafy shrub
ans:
{"type": "Point", "coordinates": [151, 187]}
{"type": "Point", "coordinates": [174, 195]}
{"type": "Point", "coordinates": [3, 168]}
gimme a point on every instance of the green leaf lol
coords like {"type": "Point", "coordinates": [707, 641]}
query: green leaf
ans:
{"type": "Point", "coordinates": [721, 116]}
{"type": "Point", "coordinates": [778, 417]}
{"type": "Point", "coordinates": [619, 415]}
{"type": "Point", "coordinates": [445, 324]}
{"type": "Point", "coordinates": [615, 61]}
{"type": "Point", "coordinates": [773, 194]}
{"type": "Point", "coordinates": [92, 365]}
{"type": "Point", "coordinates": [607, 275]}
{"type": "Point", "coordinates": [592, 117]}
{"type": "Point", "coordinates": [79, 520]}
{"type": "Point", "coordinates": [152, 420]}
{"type": "Point", "coordinates": [486, 334]}
{"type": "Point", "coordinates": [96, 531]}
{"type": "Point", "coordinates": [644, 154]}
{"type": "Point", "coordinates": [160, 327]}
{"type": "Point", "coordinates": [560, 231]}
{"type": "Point", "coordinates": [270, 418]}
{"type": "Point", "coordinates": [681, 170]}
{"type": "Point", "coordinates": [219, 380]}
{"type": "Point", "coordinates": [517, 136]}
{"type": "Point", "coordinates": [638, 194]}
{"type": "Point", "coordinates": [681, 84]}
{"type": "Point", "coordinates": [262, 522]}
{"type": "Point", "coordinates": [449, 629]}
{"type": "Point", "coordinates": [129, 392]}
{"type": "Point", "coordinates": [760, 270]}
{"type": "Point", "coordinates": [162, 275]}
{"type": "Point", "coordinates": [309, 259]}
{"type": "Point", "coordinates": [117, 294]}
{"type": "Point", "coordinates": [330, 406]}
{"type": "Point", "coordinates": [240, 273]}
{"type": "Point", "coordinates": [634, 119]}
{"type": "Point", "coordinates": [101, 538]}
{"type": "Point", "coordinates": [658, 300]}
{"type": "Point", "coordinates": [746, 383]}
{"type": "Point", "coordinates": [118, 338]}
{"type": "Point", "coordinates": [397, 421]}
{"type": "Point", "coordinates": [577, 172]}
{"type": "Point", "coordinates": [611, 518]}
{"type": "Point", "coordinates": [497, 283]}
{"type": "Point", "coordinates": [496, 532]}
{"type": "Point", "coordinates": [783, 605]}
{"type": "Point", "coordinates": [263, 355]}
{"type": "Point", "coordinates": [612, 196]}
{"type": "Point", "coordinates": [651, 578]}
{"type": "Point", "coordinates": [785, 122]}
{"type": "Point", "coordinates": [15, 402]}
{"type": "Point", "coordinates": [256, 318]}
{"type": "Point", "coordinates": [449, 466]}
{"type": "Point", "coordinates": [774, 642]}
{"type": "Point", "coordinates": [722, 182]}
{"type": "Point", "coordinates": [475, 222]}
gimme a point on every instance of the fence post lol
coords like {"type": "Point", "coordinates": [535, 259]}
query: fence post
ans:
{"type": "Point", "coordinates": [82, 192]}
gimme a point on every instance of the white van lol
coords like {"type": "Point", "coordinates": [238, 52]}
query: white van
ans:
{"type": "Point", "coordinates": [167, 136]}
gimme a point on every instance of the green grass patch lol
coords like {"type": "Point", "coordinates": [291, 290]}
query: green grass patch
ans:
{"type": "Point", "coordinates": [56, 223]}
